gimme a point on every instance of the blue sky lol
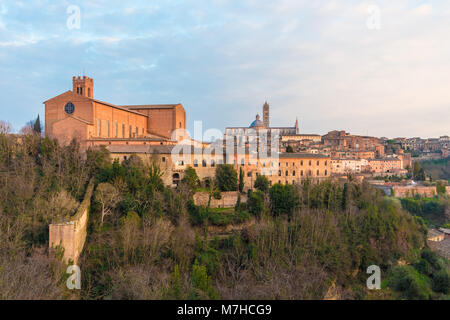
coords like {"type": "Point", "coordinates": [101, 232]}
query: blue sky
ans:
{"type": "Point", "coordinates": [315, 60]}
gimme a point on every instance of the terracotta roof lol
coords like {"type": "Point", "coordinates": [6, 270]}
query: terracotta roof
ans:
{"type": "Point", "coordinates": [152, 106]}
{"type": "Point", "coordinates": [117, 107]}
{"type": "Point", "coordinates": [303, 155]}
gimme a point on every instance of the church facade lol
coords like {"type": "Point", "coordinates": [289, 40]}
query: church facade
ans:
{"type": "Point", "coordinates": [75, 114]}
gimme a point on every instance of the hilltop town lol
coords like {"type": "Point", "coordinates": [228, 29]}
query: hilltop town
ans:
{"type": "Point", "coordinates": [153, 131]}
{"type": "Point", "coordinates": [260, 212]}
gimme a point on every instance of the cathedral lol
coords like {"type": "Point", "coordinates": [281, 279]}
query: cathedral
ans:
{"type": "Point", "coordinates": [257, 125]}
{"type": "Point", "coordinates": [76, 114]}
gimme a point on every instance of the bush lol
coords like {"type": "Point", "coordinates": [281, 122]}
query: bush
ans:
{"type": "Point", "coordinates": [441, 282]}
{"type": "Point", "coordinates": [255, 203]}
{"type": "Point", "coordinates": [226, 177]}
{"type": "Point", "coordinates": [262, 183]}
{"type": "Point", "coordinates": [284, 199]}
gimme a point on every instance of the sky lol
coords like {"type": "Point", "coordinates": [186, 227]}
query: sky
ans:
{"type": "Point", "coordinates": [379, 68]}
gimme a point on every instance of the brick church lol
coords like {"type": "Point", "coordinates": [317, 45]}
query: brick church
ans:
{"type": "Point", "coordinates": [76, 114]}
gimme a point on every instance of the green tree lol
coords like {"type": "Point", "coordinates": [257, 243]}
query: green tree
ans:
{"type": "Point", "coordinates": [191, 178]}
{"type": "Point", "coordinates": [37, 125]}
{"type": "Point", "coordinates": [262, 183]}
{"type": "Point", "coordinates": [226, 177]}
{"type": "Point", "coordinates": [255, 203]}
{"type": "Point", "coordinates": [241, 180]}
{"type": "Point", "coordinates": [284, 199]}
{"type": "Point", "coordinates": [289, 149]}
{"type": "Point", "coordinates": [441, 282]}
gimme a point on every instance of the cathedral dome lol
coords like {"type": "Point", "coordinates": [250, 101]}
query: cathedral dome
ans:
{"type": "Point", "coordinates": [257, 123]}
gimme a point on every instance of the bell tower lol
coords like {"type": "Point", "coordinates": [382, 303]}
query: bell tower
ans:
{"type": "Point", "coordinates": [266, 119]}
{"type": "Point", "coordinates": [83, 86]}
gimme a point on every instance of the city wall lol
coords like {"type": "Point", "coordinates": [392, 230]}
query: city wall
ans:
{"type": "Point", "coordinates": [228, 200]}
{"type": "Point", "coordinates": [71, 234]}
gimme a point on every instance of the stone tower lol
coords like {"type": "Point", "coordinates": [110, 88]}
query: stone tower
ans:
{"type": "Point", "coordinates": [266, 119]}
{"type": "Point", "coordinates": [83, 86]}
{"type": "Point", "coordinates": [297, 129]}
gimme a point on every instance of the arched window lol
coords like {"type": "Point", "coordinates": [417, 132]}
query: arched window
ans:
{"type": "Point", "coordinates": [213, 163]}
{"type": "Point", "coordinates": [175, 178]}
{"type": "Point", "coordinates": [204, 163]}
{"type": "Point", "coordinates": [279, 173]}
{"type": "Point", "coordinates": [293, 173]}
{"type": "Point", "coordinates": [195, 163]}
{"type": "Point", "coordinates": [309, 162]}
{"type": "Point", "coordinates": [287, 173]}
{"type": "Point", "coordinates": [317, 171]}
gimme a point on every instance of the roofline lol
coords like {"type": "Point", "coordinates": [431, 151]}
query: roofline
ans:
{"type": "Point", "coordinates": [153, 106]}
{"type": "Point", "coordinates": [100, 102]}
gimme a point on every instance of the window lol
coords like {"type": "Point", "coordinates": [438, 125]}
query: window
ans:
{"type": "Point", "coordinates": [279, 173]}
{"type": "Point", "coordinates": [287, 164]}
{"type": "Point", "coordinates": [195, 163]}
{"type": "Point", "coordinates": [249, 174]}
{"type": "Point", "coordinates": [293, 173]}
{"type": "Point", "coordinates": [242, 162]}
{"type": "Point", "coordinates": [180, 125]}
{"type": "Point", "coordinates": [78, 90]}
{"type": "Point", "coordinates": [326, 172]}
{"type": "Point", "coordinates": [317, 162]}
{"type": "Point", "coordinates": [318, 172]}
{"type": "Point", "coordinates": [176, 178]}
{"type": "Point", "coordinates": [115, 129]}
{"type": "Point", "coordinates": [326, 162]}
{"type": "Point", "coordinates": [212, 163]}
{"type": "Point", "coordinates": [301, 162]}
{"type": "Point", "coordinates": [99, 127]}
{"type": "Point", "coordinates": [137, 131]}
{"type": "Point", "coordinates": [123, 130]}
{"type": "Point", "coordinates": [81, 90]}
{"type": "Point", "coordinates": [287, 173]}
{"type": "Point", "coordinates": [293, 181]}
{"type": "Point", "coordinates": [203, 163]}
{"type": "Point", "coordinates": [107, 128]}
{"type": "Point", "coordinates": [163, 159]}
{"type": "Point", "coordinates": [89, 92]}
{"type": "Point", "coordinates": [129, 132]}
{"type": "Point", "coordinates": [301, 173]}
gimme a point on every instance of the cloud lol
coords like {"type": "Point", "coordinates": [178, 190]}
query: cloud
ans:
{"type": "Point", "coordinates": [423, 10]}
{"type": "Point", "coordinates": [313, 59]}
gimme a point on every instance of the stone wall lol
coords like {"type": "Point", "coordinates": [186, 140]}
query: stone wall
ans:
{"type": "Point", "coordinates": [228, 200]}
{"type": "Point", "coordinates": [71, 233]}
{"type": "Point", "coordinates": [408, 191]}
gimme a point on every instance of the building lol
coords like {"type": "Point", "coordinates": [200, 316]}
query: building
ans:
{"type": "Point", "coordinates": [75, 114]}
{"type": "Point", "coordinates": [345, 166]}
{"type": "Point", "coordinates": [386, 165]}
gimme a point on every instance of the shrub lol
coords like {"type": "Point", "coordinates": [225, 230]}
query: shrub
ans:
{"type": "Point", "coordinates": [226, 177]}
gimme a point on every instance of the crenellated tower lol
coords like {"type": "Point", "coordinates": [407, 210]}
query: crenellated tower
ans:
{"type": "Point", "coordinates": [83, 86]}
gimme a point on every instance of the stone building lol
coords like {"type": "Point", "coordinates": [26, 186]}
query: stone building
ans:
{"type": "Point", "coordinates": [76, 114]}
